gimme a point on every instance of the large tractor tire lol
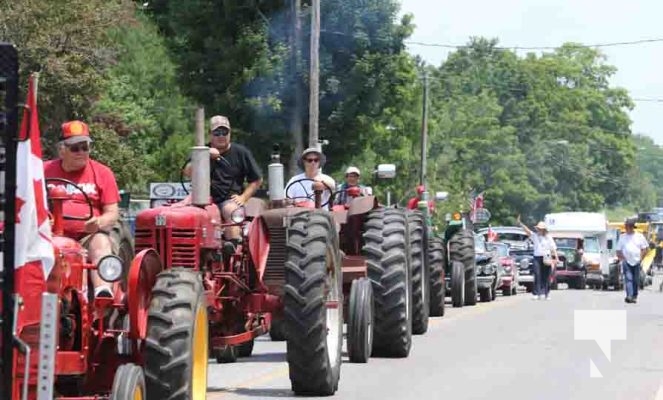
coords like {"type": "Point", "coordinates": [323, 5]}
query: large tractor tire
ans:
{"type": "Point", "coordinates": [461, 248]}
{"type": "Point", "coordinates": [313, 304]}
{"type": "Point", "coordinates": [121, 235]}
{"type": "Point", "coordinates": [420, 273]}
{"type": "Point", "coordinates": [177, 346]}
{"type": "Point", "coordinates": [437, 288]}
{"type": "Point", "coordinates": [129, 383]}
{"type": "Point", "coordinates": [457, 284]}
{"type": "Point", "coordinates": [386, 250]}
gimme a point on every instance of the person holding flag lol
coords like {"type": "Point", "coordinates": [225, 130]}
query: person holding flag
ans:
{"type": "Point", "coordinates": [99, 184]}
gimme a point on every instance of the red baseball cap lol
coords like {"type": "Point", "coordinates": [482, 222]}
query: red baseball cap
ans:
{"type": "Point", "coordinates": [75, 132]}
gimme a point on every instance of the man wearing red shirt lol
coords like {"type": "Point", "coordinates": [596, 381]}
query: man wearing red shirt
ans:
{"type": "Point", "coordinates": [414, 201]}
{"type": "Point", "coordinates": [98, 182]}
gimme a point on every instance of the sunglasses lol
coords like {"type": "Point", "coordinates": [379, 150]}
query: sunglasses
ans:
{"type": "Point", "coordinates": [311, 160]}
{"type": "Point", "coordinates": [221, 132]}
{"type": "Point", "coordinates": [75, 148]}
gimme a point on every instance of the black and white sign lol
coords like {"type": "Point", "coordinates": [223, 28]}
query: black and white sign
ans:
{"type": "Point", "coordinates": [169, 190]}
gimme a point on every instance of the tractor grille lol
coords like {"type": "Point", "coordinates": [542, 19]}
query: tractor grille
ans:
{"type": "Point", "coordinates": [274, 272]}
{"type": "Point", "coordinates": [180, 243]}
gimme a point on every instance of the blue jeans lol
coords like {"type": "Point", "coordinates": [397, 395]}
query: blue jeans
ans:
{"type": "Point", "coordinates": [631, 279]}
{"type": "Point", "coordinates": [537, 265]}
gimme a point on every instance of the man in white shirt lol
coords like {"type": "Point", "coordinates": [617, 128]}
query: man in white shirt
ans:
{"type": "Point", "coordinates": [631, 249]}
{"type": "Point", "coordinates": [311, 161]}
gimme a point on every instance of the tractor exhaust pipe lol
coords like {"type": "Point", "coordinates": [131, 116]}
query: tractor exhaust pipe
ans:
{"type": "Point", "coordinates": [275, 181]}
{"type": "Point", "coordinates": [200, 165]}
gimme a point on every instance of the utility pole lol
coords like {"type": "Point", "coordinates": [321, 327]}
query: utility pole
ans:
{"type": "Point", "coordinates": [424, 132]}
{"type": "Point", "coordinates": [314, 95]}
{"type": "Point", "coordinates": [296, 128]}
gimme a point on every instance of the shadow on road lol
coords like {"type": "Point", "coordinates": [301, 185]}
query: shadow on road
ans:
{"type": "Point", "coordinates": [253, 392]}
{"type": "Point", "coordinates": [264, 357]}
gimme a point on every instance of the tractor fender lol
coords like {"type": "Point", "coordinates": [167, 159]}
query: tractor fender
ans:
{"type": "Point", "coordinates": [362, 205]}
{"type": "Point", "coordinates": [259, 245]}
{"type": "Point", "coordinates": [142, 276]}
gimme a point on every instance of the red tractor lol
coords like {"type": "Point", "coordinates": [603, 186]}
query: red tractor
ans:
{"type": "Point", "coordinates": [288, 262]}
{"type": "Point", "coordinates": [58, 340]}
{"type": "Point", "coordinates": [98, 345]}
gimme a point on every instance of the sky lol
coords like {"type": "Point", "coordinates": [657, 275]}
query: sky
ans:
{"type": "Point", "coordinates": [534, 23]}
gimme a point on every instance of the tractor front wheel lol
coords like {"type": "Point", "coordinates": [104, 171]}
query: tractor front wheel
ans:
{"type": "Point", "coordinates": [360, 321]}
{"type": "Point", "coordinates": [461, 248]}
{"type": "Point", "coordinates": [437, 286]}
{"type": "Point", "coordinates": [177, 346]}
{"type": "Point", "coordinates": [313, 304]}
{"type": "Point", "coordinates": [457, 284]}
{"type": "Point", "coordinates": [129, 383]}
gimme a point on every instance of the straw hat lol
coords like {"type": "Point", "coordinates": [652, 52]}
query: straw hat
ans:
{"type": "Point", "coordinates": [541, 226]}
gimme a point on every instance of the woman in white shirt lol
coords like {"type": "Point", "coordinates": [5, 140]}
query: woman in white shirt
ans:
{"type": "Point", "coordinates": [544, 248]}
{"type": "Point", "coordinates": [311, 161]}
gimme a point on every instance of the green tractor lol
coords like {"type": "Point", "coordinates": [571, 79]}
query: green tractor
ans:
{"type": "Point", "coordinates": [459, 260]}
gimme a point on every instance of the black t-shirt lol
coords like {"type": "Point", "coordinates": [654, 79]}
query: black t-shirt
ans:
{"type": "Point", "coordinates": [229, 172]}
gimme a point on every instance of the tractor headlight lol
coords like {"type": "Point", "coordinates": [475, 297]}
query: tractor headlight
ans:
{"type": "Point", "coordinates": [110, 268]}
{"type": "Point", "coordinates": [238, 215]}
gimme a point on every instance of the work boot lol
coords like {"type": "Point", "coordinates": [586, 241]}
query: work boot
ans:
{"type": "Point", "coordinates": [228, 248]}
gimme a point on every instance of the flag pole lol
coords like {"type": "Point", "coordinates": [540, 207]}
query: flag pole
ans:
{"type": "Point", "coordinates": [35, 77]}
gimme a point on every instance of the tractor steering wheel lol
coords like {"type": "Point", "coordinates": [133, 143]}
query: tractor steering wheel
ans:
{"type": "Point", "coordinates": [87, 199]}
{"type": "Point", "coordinates": [309, 196]}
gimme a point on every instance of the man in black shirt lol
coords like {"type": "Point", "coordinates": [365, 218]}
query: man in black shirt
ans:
{"type": "Point", "coordinates": [230, 166]}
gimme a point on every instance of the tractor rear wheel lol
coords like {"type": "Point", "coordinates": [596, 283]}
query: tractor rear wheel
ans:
{"type": "Point", "coordinates": [386, 250]}
{"type": "Point", "coordinates": [420, 273]}
{"type": "Point", "coordinates": [437, 286]}
{"type": "Point", "coordinates": [360, 321]}
{"type": "Point", "coordinates": [313, 304]}
{"type": "Point", "coordinates": [457, 284]}
{"type": "Point", "coordinates": [177, 346]}
{"type": "Point", "coordinates": [129, 383]}
{"type": "Point", "coordinates": [461, 248]}
{"type": "Point", "coordinates": [121, 235]}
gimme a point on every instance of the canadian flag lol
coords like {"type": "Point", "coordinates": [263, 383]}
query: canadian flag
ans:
{"type": "Point", "coordinates": [476, 203]}
{"type": "Point", "coordinates": [34, 252]}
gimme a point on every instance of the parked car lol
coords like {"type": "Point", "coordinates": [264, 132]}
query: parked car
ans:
{"type": "Point", "coordinates": [514, 236]}
{"type": "Point", "coordinates": [507, 263]}
{"type": "Point", "coordinates": [571, 269]}
{"type": "Point", "coordinates": [487, 269]}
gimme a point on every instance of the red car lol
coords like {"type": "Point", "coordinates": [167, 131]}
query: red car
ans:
{"type": "Point", "coordinates": [510, 274]}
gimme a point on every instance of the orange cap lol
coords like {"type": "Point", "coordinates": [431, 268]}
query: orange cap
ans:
{"type": "Point", "coordinates": [75, 132]}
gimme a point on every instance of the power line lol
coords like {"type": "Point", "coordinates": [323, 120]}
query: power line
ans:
{"type": "Point", "coordinates": [611, 44]}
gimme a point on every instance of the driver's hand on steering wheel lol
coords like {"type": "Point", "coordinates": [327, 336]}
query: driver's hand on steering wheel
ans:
{"type": "Point", "coordinates": [92, 225]}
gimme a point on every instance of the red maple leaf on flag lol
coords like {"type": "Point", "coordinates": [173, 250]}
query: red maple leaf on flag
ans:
{"type": "Point", "coordinates": [19, 204]}
{"type": "Point", "coordinates": [42, 211]}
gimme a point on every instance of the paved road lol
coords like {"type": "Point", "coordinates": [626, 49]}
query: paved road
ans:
{"type": "Point", "coordinates": [513, 348]}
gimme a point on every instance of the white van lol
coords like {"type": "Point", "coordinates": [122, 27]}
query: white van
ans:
{"type": "Point", "coordinates": [594, 228]}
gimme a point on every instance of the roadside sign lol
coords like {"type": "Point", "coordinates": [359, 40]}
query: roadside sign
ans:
{"type": "Point", "coordinates": [481, 215]}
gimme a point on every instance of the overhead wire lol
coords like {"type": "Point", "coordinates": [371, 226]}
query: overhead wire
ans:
{"type": "Point", "coordinates": [609, 44]}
